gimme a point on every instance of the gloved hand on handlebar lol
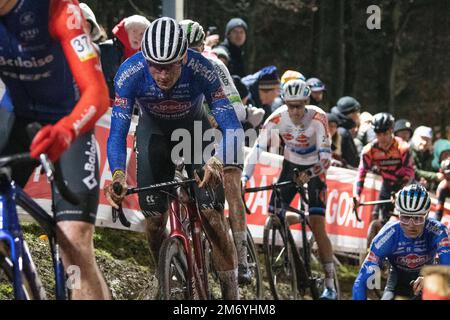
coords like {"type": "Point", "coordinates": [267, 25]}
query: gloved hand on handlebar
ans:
{"type": "Point", "coordinates": [213, 173]}
{"type": "Point", "coordinates": [53, 140]}
{"type": "Point", "coordinates": [356, 201]}
{"type": "Point", "coordinates": [302, 178]}
{"type": "Point", "coordinates": [115, 199]}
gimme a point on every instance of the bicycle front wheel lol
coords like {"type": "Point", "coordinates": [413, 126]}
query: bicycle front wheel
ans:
{"type": "Point", "coordinates": [31, 285]}
{"type": "Point", "coordinates": [254, 289]}
{"type": "Point", "coordinates": [173, 271]}
{"type": "Point", "coordinates": [279, 261]}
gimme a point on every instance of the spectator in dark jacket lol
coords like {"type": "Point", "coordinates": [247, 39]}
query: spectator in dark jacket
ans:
{"type": "Point", "coordinates": [347, 110]}
{"type": "Point", "coordinates": [264, 87]}
{"type": "Point", "coordinates": [235, 37]}
{"type": "Point", "coordinates": [336, 140]}
{"type": "Point", "coordinates": [126, 42]}
{"type": "Point", "coordinates": [421, 150]}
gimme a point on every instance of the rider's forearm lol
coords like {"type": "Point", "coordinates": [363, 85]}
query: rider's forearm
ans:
{"type": "Point", "coordinates": [117, 140]}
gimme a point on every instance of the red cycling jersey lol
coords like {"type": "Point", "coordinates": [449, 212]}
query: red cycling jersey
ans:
{"type": "Point", "coordinates": [395, 165]}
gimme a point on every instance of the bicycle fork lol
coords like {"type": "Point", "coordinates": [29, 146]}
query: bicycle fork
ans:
{"type": "Point", "coordinates": [195, 277]}
{"type": "Point", "coordinates": [10, 233]}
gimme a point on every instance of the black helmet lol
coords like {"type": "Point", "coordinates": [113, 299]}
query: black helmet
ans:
{"type": "Point", "coordinates": [332, 118]}
{"type": "Point", "coordinates": [382, 122]}
{"type": "Point", "coordinates": [348, 105]}
{"type": "Point", "coordinates": [402, 124]}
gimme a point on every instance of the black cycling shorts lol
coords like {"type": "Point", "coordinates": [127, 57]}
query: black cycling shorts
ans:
{"type": "Point", "coordinates": [317, 189]}
{"type": "Point", "coordinates": [155, 163]}
{"type": "Point", "coordinates": [398, 282]}
{"type": "Point", "coordinates": [79, 165]}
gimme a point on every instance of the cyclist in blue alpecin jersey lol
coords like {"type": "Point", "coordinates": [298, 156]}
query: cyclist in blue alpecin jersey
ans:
{"type": "Point", "coordinates": [408, 244]}
{"type": "Point", "coordinates": [169, 82]}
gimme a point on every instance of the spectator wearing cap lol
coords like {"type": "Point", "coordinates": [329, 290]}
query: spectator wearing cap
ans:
{"type": "Point", "coordinates": [235, 38]}
{"type": "Point", "coordinates": [365, 132]}
{"type": "Point", "coordinates": [403, 129]}
{"type": "Point", "coordinates": [317, 91]}
{"type": "Point", "coordinates": [347, 111]}
{"type": "Point", "coordinates": [441, 151]}
{"type": "Point", "coordinates": [336, 140]}
{"type": "Point", "coordinates": [264, 87]}
{"type": "Point", "coordinates": [126, 41]}
{"type": "Point", "coordinates": [287, 75]}
{"type": "Point", "coordinates": [96, 31]}
{"type": "Point", "coordinates": [254, 116]}
{"type": "Point", "coordinates": [421, 150]}
{"type": "Point", "coordinates": [222, 54]}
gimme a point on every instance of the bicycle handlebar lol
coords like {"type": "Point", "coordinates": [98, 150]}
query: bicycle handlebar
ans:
{"type": "Point", "coordinates": [117, 187]}
{"type": "Point", "coordinates": [52, 172]}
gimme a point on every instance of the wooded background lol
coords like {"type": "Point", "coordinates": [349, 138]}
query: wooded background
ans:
{"type": "Point", "coordinates": [403, 68]}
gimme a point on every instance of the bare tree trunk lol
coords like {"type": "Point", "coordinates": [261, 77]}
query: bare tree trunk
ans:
{"type": "Point", "coordinates": [316, 51]}
{"type": "Point", "coordinates": [340, 74]}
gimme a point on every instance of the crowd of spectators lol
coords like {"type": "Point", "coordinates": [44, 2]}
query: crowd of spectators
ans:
{"type": "Point", "coordinates": [350, 127]}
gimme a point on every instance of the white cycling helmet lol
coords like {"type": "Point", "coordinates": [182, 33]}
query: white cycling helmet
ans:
{"type": "Point", "coordinates": [194, 32]}
{"type": "Point", "coordinates": [164, 41]}
{"type": "Point", "coordinates": [413, 200]}
{"type": "Point", "coordinates": [295, 90]}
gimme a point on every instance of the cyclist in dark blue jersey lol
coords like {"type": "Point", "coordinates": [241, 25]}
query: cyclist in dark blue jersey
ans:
{"type": "Point", "coordinates": [408, 244]}
{"type": "Point", "coordinates": [168, 82]}
{"type": "Point", "coordinates": [53, 75]}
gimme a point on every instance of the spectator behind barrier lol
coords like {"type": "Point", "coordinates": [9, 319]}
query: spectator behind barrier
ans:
{"type": "Point", "coordinates": [441, 151]}
{"type": "Point", "coordinates": [235, 38]}
{"type": "Point", "coordinates": [365, 132]}
{"type": "Point", "coordinates": [403, 129]}
{"type": "Point", "coordinates": [336, 140]}
{"type": "Point", "coordinates": [264, 87]}
{"type": "Point", "coordinates": [421, 149]}
{"type": "Point", "coordinates": [126, 42]}
{"type": "Point", "coordinates": [96, 31]}
{"type": "Point", "coordinates": [254, 116]}
{"type": "Point", "coordinates": [318, 90]}
{"type": "Point", "coordinates": [222, 54]}
{"type": "Point", "coordinates": [347, 110]}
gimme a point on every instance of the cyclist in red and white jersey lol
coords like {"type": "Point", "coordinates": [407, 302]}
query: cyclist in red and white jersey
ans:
{"type": "Point", "coordinates": [304, 130]}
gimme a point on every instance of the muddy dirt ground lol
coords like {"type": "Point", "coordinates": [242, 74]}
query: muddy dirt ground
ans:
{"type": "Point", "coordinates": [128, 267]}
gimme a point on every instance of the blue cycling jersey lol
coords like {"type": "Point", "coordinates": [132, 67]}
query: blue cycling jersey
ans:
{"type": "Point", "coordinates": [33, 64]}
{"type": "Point", "coordinates": [406, 255]}
{"type": "Point", "coordinates": [180, 105]}
{"type": "Point", "coordinates": [5, 99]}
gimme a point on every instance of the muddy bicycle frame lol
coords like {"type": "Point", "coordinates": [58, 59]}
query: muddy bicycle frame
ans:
{"type": "Point", "coordinates": [187, 226]}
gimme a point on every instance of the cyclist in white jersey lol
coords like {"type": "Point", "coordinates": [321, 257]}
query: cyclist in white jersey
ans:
{"type": "Point", "coordinates": [232, 173]}
{"type": "Point", "coordinates": [304, 130]}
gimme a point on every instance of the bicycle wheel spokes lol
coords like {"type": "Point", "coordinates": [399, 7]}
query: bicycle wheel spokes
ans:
{"type": "Point", "coordinates": [31, 284]}
{"type": "Point", "coordinates": [252, 290]}
{"type": "Point", "coordinates": [173, 271]}
{"type": "Point", "coordinates": [279, 262]}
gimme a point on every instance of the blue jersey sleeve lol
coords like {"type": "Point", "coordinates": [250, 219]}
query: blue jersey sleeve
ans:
{"type": "Point", "coordinates": [382, 246]}
{"type": "Point", "coordinates": [231, 148]}
{"type": "Point", "coordinates": [126, 84]}
{"type": "Point", "coordinates": [442, 244]}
